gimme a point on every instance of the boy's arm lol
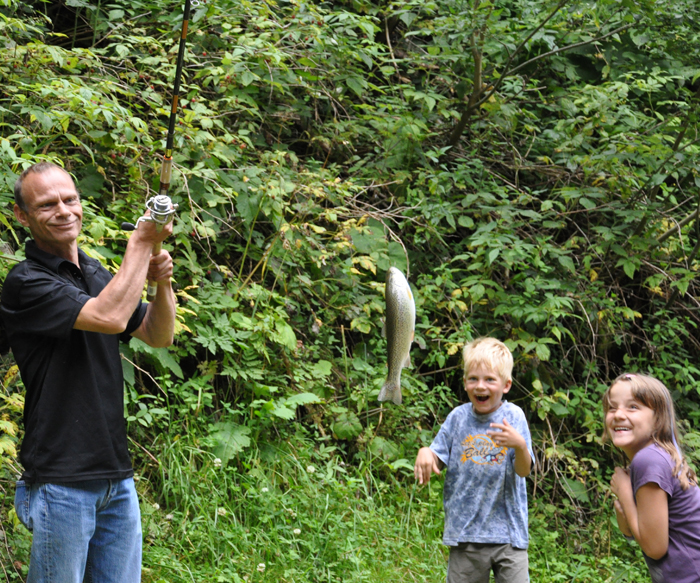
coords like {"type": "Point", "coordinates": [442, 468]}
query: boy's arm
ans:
{"type": "Point", "coordinates": [508, 436]}
{"type": "Point", "coordinates": [427, 464]}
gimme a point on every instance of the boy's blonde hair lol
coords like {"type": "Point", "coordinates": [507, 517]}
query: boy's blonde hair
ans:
{"type": "Point", "coordinates": [652, 393]}
{"type": "Point", "coordinates": [489, 353]}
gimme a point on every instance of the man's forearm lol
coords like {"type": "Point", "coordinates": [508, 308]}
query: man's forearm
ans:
{"type": "Point", "coordinates": [158, 326]}
{"type": "Point", "coordinates": [110, 311]}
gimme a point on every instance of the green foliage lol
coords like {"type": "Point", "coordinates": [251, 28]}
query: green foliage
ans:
{"type": "Point", "coordinates": [531, 166]}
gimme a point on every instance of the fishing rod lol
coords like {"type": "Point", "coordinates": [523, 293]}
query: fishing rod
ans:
{"type": "Point", "coordinates": [161, 206]}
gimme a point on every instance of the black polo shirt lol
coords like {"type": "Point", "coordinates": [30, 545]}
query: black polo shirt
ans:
{"type": "Point", "coordinates": [74, 406]}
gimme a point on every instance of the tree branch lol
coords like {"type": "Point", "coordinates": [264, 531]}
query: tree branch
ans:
{"type": "Point", "coordinates": [454, 137]}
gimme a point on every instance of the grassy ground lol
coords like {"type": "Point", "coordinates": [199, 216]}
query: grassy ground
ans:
{"type": "Point", "coordinates": [298, 514]}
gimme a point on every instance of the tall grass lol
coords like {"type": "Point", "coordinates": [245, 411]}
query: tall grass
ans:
{"type": "Point", "coordinates": [298, 511]}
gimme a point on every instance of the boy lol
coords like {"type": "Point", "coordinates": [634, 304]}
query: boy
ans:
{"type": "Point", "coordinates": [486, 447]}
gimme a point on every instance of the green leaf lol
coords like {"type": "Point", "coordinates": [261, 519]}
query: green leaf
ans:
{"type": "Point", "coordinates": [576, 489]}
{"type": "Point", "coordinates": [567, 262]}
{"type": "Point", "coordinates": [542, 351]}
{"type": "Point", "coordinates": [230, 439]}
{"type": "Point", "coordinates": [356, 85]}
{"type": "Point", "coordinates": [384, 448]}
{"type": "Point", "coordinates": [283, 412]}
{"type": "Point", "coordinates": [347, 426]}
{"type": "Point", "coordinates": [559, 409]}
{"type": "Point", "coordinates": [628, 266]}
{"type": "Point", "coordinates": [285, 335]}
{"type": "Point", "coordinates": [321, 369]}
{"type": "Point", "coordinates": [162, 355]}
{"type": "Point", "coordinates": [247, 78]}
{"type": "Point", "coordinates": [302, 399]}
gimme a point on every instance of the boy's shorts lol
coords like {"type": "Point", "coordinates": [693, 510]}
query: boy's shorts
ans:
{"type": "Point", "coordinates": [473, 563]}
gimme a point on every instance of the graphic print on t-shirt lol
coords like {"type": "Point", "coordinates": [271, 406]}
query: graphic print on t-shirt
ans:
{"type": "Point", "coordinates": [482, 450]}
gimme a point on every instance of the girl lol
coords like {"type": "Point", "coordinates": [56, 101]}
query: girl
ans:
{"type": "Point", "coordinates": [658, 500]}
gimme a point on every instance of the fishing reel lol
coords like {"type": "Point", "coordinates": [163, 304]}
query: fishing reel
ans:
{"type": "Point", "coordinates": [162, 212]}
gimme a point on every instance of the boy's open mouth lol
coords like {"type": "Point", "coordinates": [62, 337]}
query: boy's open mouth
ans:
{"type": "Point", "coordinates": [482, 398]}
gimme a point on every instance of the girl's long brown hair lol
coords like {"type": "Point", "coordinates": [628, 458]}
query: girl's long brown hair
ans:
{"type": "Point", "coordinates": [652, 393]}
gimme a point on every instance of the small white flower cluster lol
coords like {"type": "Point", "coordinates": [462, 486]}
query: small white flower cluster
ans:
{"type": "Point", "coordinates": [221, 511]}
{"type": "Point", "coordinates": [156, 506]}
{"type": "Point", "coordinates": [261, 567]}
{"type": "Point", "coordinates": [310, 469]}
{"type": "Point", "coordinates": [217, 462]}
{"type": "Point", "coordinates": [264, 490]}
{"type": "Point", "coordinates": [297, 531]}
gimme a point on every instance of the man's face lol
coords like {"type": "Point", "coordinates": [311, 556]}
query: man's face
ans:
{"type": "Point", "coordinates": [54, 214]}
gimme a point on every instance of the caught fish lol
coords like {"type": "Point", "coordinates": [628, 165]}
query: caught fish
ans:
{"type": "Point", "coordinates": [400, 330]}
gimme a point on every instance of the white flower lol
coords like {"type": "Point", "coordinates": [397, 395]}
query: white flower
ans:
{"type": "Point", "coordinates": [221, 511]}
{"type": "Point", "coordinates": [168, 517]}
{"type": "Point", "coordinates": [264, 490]}
{"type": "Point", "coordinates": [310, 469]}
{"type": "Point", "coordinates": [156, 506]}
{"type": "Point", "coordinates": [261, 567]}
{"type": "Point", "coordinates": [217, 462]}
{"type": "Point", "coordinates": [297, 531]}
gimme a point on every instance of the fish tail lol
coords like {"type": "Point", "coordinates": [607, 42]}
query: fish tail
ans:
{"type": "Point", "coordinates": [391, 391]}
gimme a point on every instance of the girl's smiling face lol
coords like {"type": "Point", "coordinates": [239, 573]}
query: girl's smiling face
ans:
{"type": "Point", "coordinates": [630, 424]}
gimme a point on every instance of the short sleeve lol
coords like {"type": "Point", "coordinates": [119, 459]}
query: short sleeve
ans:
{"type": "Point", "coordinates": [521, 426]}
{"type": "Point", "coordinates": [442, 444]}
{"type": "Point", "coordinates": [43, 305]}
{"type": "Point", "coordinates": [134, 322]}
{"type": "Point", "coordinates": [651, 465]}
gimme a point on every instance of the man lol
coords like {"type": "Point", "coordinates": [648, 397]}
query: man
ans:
{"type": "Point", "coordinates": [65, 315]}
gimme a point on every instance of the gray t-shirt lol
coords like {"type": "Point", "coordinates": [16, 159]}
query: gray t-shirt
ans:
{"type": "Point", "coordinates": [681, 564]}
{"type": "Point", "coordinates": [485, 500]}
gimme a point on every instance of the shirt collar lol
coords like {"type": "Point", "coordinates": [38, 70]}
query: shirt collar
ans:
{"type": "Point", "coordinates": [54, 262]}
{"type": "Point", "coordinates": [484, 418]}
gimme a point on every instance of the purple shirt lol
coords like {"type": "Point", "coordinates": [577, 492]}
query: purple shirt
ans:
{"type": "Point", "coordinates": [681, 564]}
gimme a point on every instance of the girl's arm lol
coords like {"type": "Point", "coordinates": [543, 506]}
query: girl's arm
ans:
{"type": "Point", "coordinates": [648, 518]}
{"type": "Point", "coordinates": [622, 519]}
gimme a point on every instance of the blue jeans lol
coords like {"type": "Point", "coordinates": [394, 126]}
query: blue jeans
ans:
{"type": "Point", "coordinates": [84, 532]}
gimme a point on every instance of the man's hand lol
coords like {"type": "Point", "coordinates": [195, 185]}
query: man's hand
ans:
{"type": "Point", "coordinates": [151, 232]}
{"type": "Point", "coordinates": [160, 268]}
{"type": "Point", "coordinates": [427, 464]}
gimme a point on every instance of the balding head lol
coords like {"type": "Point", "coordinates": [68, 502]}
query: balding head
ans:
{"type": "Point", "coordinates": [37, 168]}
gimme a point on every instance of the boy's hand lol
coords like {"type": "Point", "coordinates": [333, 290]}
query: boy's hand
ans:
{"type": "Point", "coordinates": [426, 465]}
{"type": "Point", "coordinates": [507, 436]}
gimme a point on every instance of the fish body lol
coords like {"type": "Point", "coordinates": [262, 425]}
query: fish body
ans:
{"type": "Point", "coordinates": [400, 330]}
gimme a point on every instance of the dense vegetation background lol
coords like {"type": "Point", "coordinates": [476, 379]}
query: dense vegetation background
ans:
{"type": "Point", "coordinates": [532, 166]}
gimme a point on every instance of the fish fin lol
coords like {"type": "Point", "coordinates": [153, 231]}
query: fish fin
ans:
{"type": "Point", "coordinates": [390, 392]}
{"type": "Point", "coordinates": [407, 362]}
{"type": "Point", "coordinates": [384, 329]}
